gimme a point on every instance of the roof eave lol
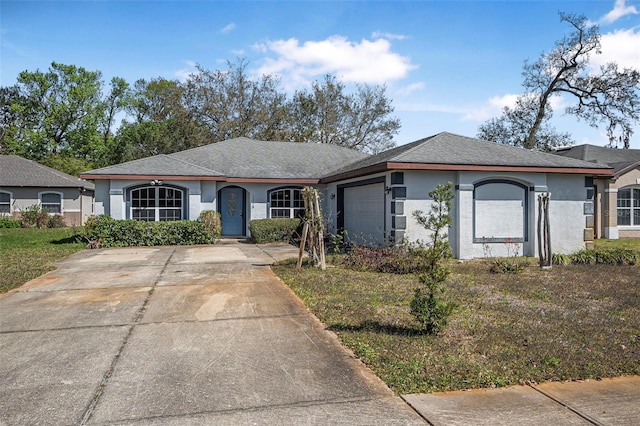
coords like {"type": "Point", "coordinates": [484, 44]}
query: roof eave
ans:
{"type": "Point", "coordinates": [305, 181]}
{"type": "Point", "coordinates": [148, 176]}
{"type": "Point", "coordinates": [382, 167]}
{"type": "Point", "coordinates": [626, 169]}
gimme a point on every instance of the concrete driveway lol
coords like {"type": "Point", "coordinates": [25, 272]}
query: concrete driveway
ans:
{"type": "Point", "coordinates": [178, 335]}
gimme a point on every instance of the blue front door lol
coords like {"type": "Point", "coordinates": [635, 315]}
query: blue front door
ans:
{"type": "Point", "coordinates": [232, 211]}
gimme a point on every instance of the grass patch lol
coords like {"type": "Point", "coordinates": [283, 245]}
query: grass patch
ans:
{"type": "Point", "coordinates": [569, 322]}
{"type": "Point", "coordinates": [27, 253]}
{"type": "Point", "coordinates": [625, 243]}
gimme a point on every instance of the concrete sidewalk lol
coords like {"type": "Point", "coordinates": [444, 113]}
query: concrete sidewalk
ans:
{"type": "Point", "coordinates": [178, 335]}
{"type": "Point", "coordinates": [209, 335]}
{"type": "Point", "coordinates": [595, 402]}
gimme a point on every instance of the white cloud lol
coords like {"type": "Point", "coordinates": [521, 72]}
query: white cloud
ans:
{"type": "Point", "coordinates": [184, 73]}
{"type": "Point", "coordinates": [364, 62]}
{"type": "Point", "coordinates": [493, 107]}
{"type": "Point", "coordinates": [388, 36]}
{"type": "Point", "coordinates": [620, 9]}
{"type": "Point", "coordinates": [621, 47]}
{"type": "Point", "coordinates": [409, 89]}
{"type": "Point", "coordinates": [228, 28]}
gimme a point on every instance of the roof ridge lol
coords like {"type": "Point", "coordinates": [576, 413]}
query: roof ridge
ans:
{"type": "Point", "coordinates": [191, 164]}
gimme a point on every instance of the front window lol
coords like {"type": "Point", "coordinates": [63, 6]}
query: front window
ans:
{"type": "Point", "coordinates": [629, 207]}
{"type": "Point", "coordinates": [5, 202]}
{"type": "Point", "coordinates": [51, 202]}
{"type": "Point", "coordinates": [155, 204]}
{"type": "Point", "coordinates": [287, 203]}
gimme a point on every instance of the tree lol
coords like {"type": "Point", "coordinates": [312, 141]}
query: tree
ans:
{"type": "Point", "coordinates": [229, 104]}
{"type": "Point", "coordinates": [60, 112]}
{"type": "Point", "coordinates": [428, 305]}
{"type": "Point", "coordinates": [115, 102]}
{"type": "Point", "coordinates": [606, 96]}
{"type": "Point", "coordinates": [9, 121]}
{"type": "Point", "coordinates": [162, 124]}
{"type": "Point", "coordinates": [359, 121]}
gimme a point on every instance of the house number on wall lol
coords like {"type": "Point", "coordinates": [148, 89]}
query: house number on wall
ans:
{"type": "Point", "coordinates": [231, 204]}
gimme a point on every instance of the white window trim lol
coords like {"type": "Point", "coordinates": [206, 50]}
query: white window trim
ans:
{"type": "Point", "coordinates": [635, 226]}
{"type": "Point", "coordinates": [291, 209]}
{"type": "Point", "coordinates": [10, 203]}
{"type": "Point", "coordinates": [157, 207]}
{"type": "Point", "coordinates": [40, 194]}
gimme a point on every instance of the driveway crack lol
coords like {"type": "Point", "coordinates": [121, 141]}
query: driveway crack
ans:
{"type": "Point", "coordinates": [107, 376]}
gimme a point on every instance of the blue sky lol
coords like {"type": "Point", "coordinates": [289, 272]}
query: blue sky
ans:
{"type": "Point", "coordinates": [447, 65]}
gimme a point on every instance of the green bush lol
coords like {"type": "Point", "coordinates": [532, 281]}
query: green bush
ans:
{"type": "Point", "coordinates": [103, 231]}
{"type": "Point", "coordinates": [560, 259]}
{"type": "Point", "coordinates": [617, 256]}
{"type": "Point", "coordinates": [34, 216]}
{"type": "Point", "coordinates": [428, 306]}
{"type": "Point", "coordinates": [273, 230]}
{"type": "Point", "coordinates": [56, 221]}
{"type": "Point", "coordinates": [210, 219]}
{"type": "Point", "coordinates": [6, 222]}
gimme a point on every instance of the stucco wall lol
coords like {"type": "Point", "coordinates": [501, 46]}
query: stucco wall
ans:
{"type": "Point", "coordinates": [567, 212]}
{"type": "Point", "coordinates": [76, 206]}
{"type": "Point", "coordinates": [202, 195]}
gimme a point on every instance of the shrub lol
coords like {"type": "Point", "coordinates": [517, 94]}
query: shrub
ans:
{"type": "Point", "coordinates": [34, 216]}
{"type": "Point", "coordinates": [274, 230]}
{"type": "Point", "coordinates": [560, 259]}
{"type": "Point", "coordinates": [427, 305]}
{"type": "Point", "coordinates": [584, 257]}
{"type": "Point", "coordinates": [56, 221]}
{"type": "Point", "coordinates": [614, 256]}
{"type": "Point", "coordinates": [103, 231]}
{"type": "Point", "coordinates": [508, 265]}
{"type": "Point", "coordinates": [6, 222]}
{"type": "Point", "coordinates": [210, 219]}
{"type": "Point", "coordinates": [402, 259]}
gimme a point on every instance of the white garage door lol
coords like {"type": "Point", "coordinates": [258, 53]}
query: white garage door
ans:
{"type": "Point", "coordinates": [364, 214]}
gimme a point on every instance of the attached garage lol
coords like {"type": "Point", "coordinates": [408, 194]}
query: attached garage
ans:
{"type": "Point", "coordinates": [362, 206]}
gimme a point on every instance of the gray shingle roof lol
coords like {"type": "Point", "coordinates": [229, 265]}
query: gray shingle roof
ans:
{"type": "Point", "coordinates": [450, 149]}
{"type": "Point", "coordinates": [619, 159]}
{"type": "Point", "coordinates": [18, 171]}
{"type": "Point", "coordinates": [158, 165]}
{"type": "Point", "coordinates": [243, 158]}
{"type": "Point", "coordinates": [248, 158]}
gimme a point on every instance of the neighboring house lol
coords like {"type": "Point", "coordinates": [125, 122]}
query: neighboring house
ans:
{"type": "Point", "coordinates": [25, 183]}
{"type": "Point", "coordinates": [372, 198]}
{"type": "Point", "coordinates": [617, 200]}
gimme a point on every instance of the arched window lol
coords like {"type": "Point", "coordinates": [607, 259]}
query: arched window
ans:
{"type": "Point", "coordinates": [286, 202]}
{"type": "Point", "coordinates": [51, 201]}
{"type": "Point", "coordinates": [629, 206]}
{"type": "Point", "coordinates": [156, 203]}
{"type": "Point", "coordinates": [500, 211]}
{"type": "Point", "coordinates": [5, 202]}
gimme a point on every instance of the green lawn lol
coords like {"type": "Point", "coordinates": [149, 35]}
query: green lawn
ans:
{"type": "Point", "coordinates": [569, 322]}
{"type": "Point", "coordinates": [625, 243]}
{"type": "Point", "coordinates": [28, 253]}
